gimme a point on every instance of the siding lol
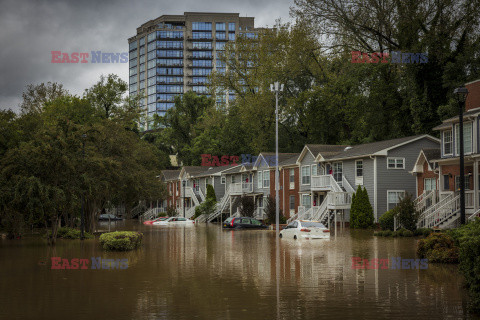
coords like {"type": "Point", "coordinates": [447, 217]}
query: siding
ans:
{"type": "Point", "coordinates": [399, 179]}
{"type": "Point", "coordinates": [308, 159]}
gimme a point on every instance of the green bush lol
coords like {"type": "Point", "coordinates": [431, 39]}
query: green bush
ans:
{"type": "Point", "coordinates": [121, 240]}
{"type": "Point", "coordinates": [406, 213]}
{"type": "Point", "coordinates": [361, 212]}
{"type": "Point", "coordinates": [206, 207]}
{"type": "Point", "coordinates": [438, 247]}
{"type": "Point", "coordinates": [271, 211]}
{"type": "Point", "coordinates": [171, 212]}
{"type": "Point", "coordinates": [211, 193]}
{"type": "Point", "coordinates": [407, 233]}
{"type": "Point", "coordinates": [387, 219]}
{"type": "Point", "coordinates": [69, 233]}
{"type": "Point", "coordinates": [423, 232]}
{"type": "Point", "coordinates": [387, 233]}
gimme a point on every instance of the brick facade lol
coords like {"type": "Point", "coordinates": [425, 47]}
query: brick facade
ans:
{"type": "Point", "coordinates": [454, 170]}
{"type": "Point", "coordinates": [473, 98]}
{"type": "Point", "coordinates": [425, 175]}
{"type": "Point", "coordinates": [284, 176]}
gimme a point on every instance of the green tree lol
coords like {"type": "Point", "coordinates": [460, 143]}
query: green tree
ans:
{"type": "Point", "coordinates": [361, 212]}
{"type": "Point", "coordinates": [406, 213]}
{"type": "Point", "coordinates": [270, 211]}
{"type": "Point", "coordinates": [211, 193]}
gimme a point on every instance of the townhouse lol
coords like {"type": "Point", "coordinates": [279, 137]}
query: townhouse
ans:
{"type": "Point", "coordinates": [438, 173]}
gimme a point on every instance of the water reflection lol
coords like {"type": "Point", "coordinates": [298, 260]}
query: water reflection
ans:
{"type": "Point", "coordinates": [208, 273]}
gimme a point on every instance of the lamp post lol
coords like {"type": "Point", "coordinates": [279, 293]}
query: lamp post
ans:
{"type": "Point", "coordinates": [82, 217]}
{"type": "Point", "coordinates": [461, 95]}
{"type": "Point", "coordinates": [184, 184]}
{"type": "Point", "coordinates": [276, 87]}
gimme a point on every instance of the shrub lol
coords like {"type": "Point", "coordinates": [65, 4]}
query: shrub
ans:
{"type": "Point", "coordinates": [423, 232]}
{"type": "Point", "coordinates": [438, 247]}
{"type": "Point", "coordinates": [171, 212]}
{"type": "Point", "coordinates": [361, 212]}
{"type": "Point", "coordinates": [271, 213]}
{"type": "Point", "coordinates": [407, 233]}
{"type": "Point", "coordinates": [378, 233]}
{"type": "Point", "coordinates": [387, 233]}
{"type": "Point", "coordinates": [69, 233]}
{"type": "Point", "coordinates": [121, 240]}
{"type": "Point", "coordinates": [387, 219]}
{"type": "Point", "coordinates": [211, 193]}
{"type": "Point", "coordinates": [246, 206]}
{"type": "Point", "coordinates": [206, 207]}
{"type": "Point", "coordinates": [406, 213]}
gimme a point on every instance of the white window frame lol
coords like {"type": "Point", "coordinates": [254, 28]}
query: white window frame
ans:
{"type": "Point", "coordinates": [430, 181]}
{"type": "Point", "coordinates": [356, 168]}
{"type": "Point", "coordinates": [395, 159]}
{"type": "Point", "coordinates": [457, 138]}
{"type": "Point", "coordinates": [290, 202]}
{"type": "Point", "coordinates": [223, 180]}
{"type": "Point", "coordinates": [266, 182]}
{"type": "Point", "coordinates": [451, 142]}
{"type": "Point", "coordinates": [291, 178]}
{"type": "Point", "coordinates": [396, 191]}
{"type": "Point", "coordinates": [259, 179]}
{"type": "Point", "coordinates": [309, 175]}
{"type": "Point", "coordinates": [232, 179]}
{"type": "Point", "coordinates": [309, 204]}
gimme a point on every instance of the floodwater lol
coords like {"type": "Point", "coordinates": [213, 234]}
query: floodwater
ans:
{"type": "Point", "coordinates": [204, 272]}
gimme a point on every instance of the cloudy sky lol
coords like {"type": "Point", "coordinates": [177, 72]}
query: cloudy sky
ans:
{"type": "Point", "coordinates": [30, 30]}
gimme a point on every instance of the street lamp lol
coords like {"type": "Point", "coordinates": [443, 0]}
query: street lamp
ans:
{"type": "Point", "coordinates": [276, 87]}
{"type": "Point", "coordinates": [461, 95]}
{"type": "Point", "coordinates": [82, 217]}
{"type": "Point", "coordinates": [184, 184]}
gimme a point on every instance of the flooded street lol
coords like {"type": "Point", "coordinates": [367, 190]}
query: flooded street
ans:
{"type": "Point", "coordinates": [204, 272]}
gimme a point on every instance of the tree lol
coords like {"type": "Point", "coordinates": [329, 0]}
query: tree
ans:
{"type": "Point", "coordinates": [361, 212]}
{"type": "Point", "coordinates": [246, 206]}
{"type": "Point", "coordinates": [36, 96]}
{"type": "Point", "coordinates": [271, 213]}
{"type": "Point", "coordinates": [106, 95]}
{"type": "Point", "coordinates": [406, 213]}
{"type": "Point", "coordinates": [211, 193]}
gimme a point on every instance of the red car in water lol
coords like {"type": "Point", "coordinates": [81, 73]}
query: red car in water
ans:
{"type": "Point", "coordinates": [155, 220]}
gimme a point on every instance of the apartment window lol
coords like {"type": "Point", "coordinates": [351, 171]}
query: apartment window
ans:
{"type": "Point", "coordinates": [393, 198]}
{"type": "Point", "coordinates": [233, 179]}
{"type": "Point", "coordinates": [446, 182]}
{"type": "Point", "coordinates": [314, 170]}
{"type": "Point", "coordinates": [306, 175]}
{"type": "Point", "coordinates": [222, 180]}
{"type": "Point", "coordinates": [359, 168]}
{"type": "Point", "coordinates": [207, 182]}
{"type": "Point", "coordinates": [338, 171]}
{"type": "Point", "coordinates": [447, 142]}
{"type": "Point", "coordinates": [292, 175]}
{"type": "Point", "coordinates": [467, 138]}
{"type": "Point", "coordinates": [231, 27]}
{"type": "Point", "coordinates": [292, 202]}
{"type": "Point", "coordinates": [467, 182]}
{"type": "Point", "coordinates": [429, 184]}
{"type": "Point", "coordinates": [266, 179]}
{"type": "Point", "coordinates": [396, 163]}
{"type": "Point", "coordinates": [259, 179]}
{"type": "Point", "coordinates": [306, 202]}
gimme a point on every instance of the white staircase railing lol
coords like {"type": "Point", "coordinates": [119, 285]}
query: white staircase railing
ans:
{"type": "Point", "coordinates": [347, 186]}
{"type": "Point", "coordinates": [339, 199]}
{"type": "Point", "coordinates": [448, 210]}
{"type": "Point", "coordinates": [320, 211]}
{"type": "Point", "coordinates": [152, 213]}
{"type": "Point", "coordinates": [325, 182]}
{"type": "Point", "coordinates": [426, 199]}
{"type": "Point", "coordinates": [189, 193]}
{"type": "Point", "coordinates": [220, 206]}
{"type": "Point", "coordinates": [202, 197]}
{"type": "Point", "coordinates": [474, 215]}
{"type": "Point", "coordinates": [190, 212]}
{"type": "Point", "coordinates": [430, 210]}
{"type": "Point", "coordinates": [305, 215]}
{"type": "Point", "coordinates": [300, 210]}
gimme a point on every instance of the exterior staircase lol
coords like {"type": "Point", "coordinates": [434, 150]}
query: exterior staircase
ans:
{"type": "Point", "coordinates": [442, 214]}
{"type": "Point", "coordinates": [221, 206]}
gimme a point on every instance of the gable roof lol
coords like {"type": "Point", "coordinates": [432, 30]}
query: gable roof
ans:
{"type": "Point", "coordinates": [292, 161]}
{"type": "Point", "coordinates": [170, 175]}
{"type": "Point", "coordinates": [448, 122]}
{"type": "Point", "coordinates": [429, 155]}
{"type": "Point", "coordinates": [379, 148]}
{"type": "Point", "coordinates": [269, 158]}
{"type": "Point", "coordinates": [316, 149]}
{"type": "Point", "coordinates": [210, 171]}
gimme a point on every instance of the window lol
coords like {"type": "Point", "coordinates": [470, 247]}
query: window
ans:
{"type": "Point", "coordinates": [314, 170]}
{"type": "Point", "coordinates": [446, 182]}
{"type": "Point", "coordinates": [292, 175]}
{"type": "Point", "coordinates": [266, 179]}
{"type": "Point", "coordinates": [396, 163]}
{"type": "Point", "coordinates": [359, 168]}
{"type": "Point", "coordinates": [259, 179]}
{"type": "Point", "coordinates": [306, 175]}
{"type": "Point", "coordinates": [467, 182]}
{"type": "Point", "coordinates": [447, 142]}
{"type": "Point", "coordinates": [393, 198]}
{"type": "Point", "coordinates": [292, 202]}
{"type": "Point", "coordinates": [201, 25]}
{"type": "Point", "coordinates": [222, 180]}
{"type": "Point", "coordinates": [220, 26]}
{"type": "Point", "coordinates": [338, 171]}
{"type": "Point", "coordinates": [260, 202]}
{"type": "Point", "coordinates": [233, 178]}
{"type": "Point", "coordinates": [467, 138]}
{"type": "Point", "coordinates": [429, 184]}
{"type": "Point", "coordinates": [231, 27]}
{"type": "Point", "coordinates": [306, 202]}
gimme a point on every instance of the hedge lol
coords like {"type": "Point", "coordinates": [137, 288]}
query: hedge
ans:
{"type": "Point", "coordinates": [121, 240]}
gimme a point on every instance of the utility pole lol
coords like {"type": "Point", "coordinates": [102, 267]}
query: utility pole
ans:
{"type": "Point", "coordinates": [461, 94]}
{"type": "Point", "coordinates": [276, 87]}
{"type": "Point", "coordinates": [82, 217]}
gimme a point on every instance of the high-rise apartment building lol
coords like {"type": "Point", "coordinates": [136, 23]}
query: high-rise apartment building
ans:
{"type": "Point", "coordinates": [176, 53]}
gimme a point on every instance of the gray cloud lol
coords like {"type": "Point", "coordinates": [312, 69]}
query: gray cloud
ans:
{"type": "Point", "coordinates": [30, 30]}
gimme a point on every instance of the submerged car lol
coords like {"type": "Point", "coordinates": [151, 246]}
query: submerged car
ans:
{"type": "Point", "coordinates": [243, 223]}
{"type": "Point", "coordinates": [175, 221]}
{"type": "Point", "coordinates": [305, 229]}
{"type": "Point", "coordinates": [155, 220]}
{"type": "Point", "coordinates": [108, 216]}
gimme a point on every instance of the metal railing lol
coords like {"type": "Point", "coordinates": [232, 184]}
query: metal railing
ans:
{"type": "Point", "coordinates": [430, 210]}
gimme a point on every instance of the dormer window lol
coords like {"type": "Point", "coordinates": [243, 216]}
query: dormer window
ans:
{"type": "Point", "coordinates": [447, 142]}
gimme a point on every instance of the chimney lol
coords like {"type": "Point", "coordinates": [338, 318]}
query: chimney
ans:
{"type": "Point", "coordinates": [473, 98]}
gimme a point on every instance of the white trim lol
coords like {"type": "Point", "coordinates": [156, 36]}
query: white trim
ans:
{"type": "Point", "coordinates": [452, 137]}
{"type": "Point", "coordinates": [302, 155]}
{"type": "Point", "coordinates": [396, 158]}
{"type": "Point", "coordinates": [223, 181]}
{"type": "Point", "coordinates": [263, 181]}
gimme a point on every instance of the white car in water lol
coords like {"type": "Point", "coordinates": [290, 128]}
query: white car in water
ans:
{"type": "Point", "coordinates": [175, 221]}
{"type": "Point", "coordinates": [305, 229]}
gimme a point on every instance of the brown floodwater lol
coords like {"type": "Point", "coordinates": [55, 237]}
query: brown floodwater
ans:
{"type": "Point", "coordinates": [204, 272]}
